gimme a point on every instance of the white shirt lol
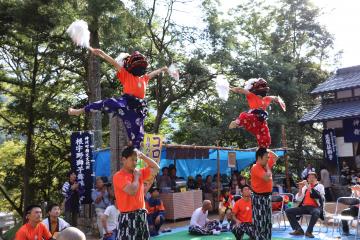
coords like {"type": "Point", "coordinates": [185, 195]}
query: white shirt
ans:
{"type": "Point", "coordinates": [199, 218]}
{"type": "Point", "coordinates": [62, 224]}
{"type": "Point", "coordinates": [112, 214]}
{"type": "Point", "coordinates": [325, 178]}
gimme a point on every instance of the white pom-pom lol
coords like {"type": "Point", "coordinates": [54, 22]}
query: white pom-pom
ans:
{"type": "Point", "coordinates": [222, 87]}
{"type": "Point", "coordinates": [79, 33]}
{"type": "Point", "coordinates": [174, 72]}
{"type": "Point", "coordinates": [121, 57]}
{"type": "Point", "coordinates": [249, 83]}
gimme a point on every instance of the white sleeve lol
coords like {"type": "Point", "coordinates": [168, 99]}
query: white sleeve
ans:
{"type": "Point", "coordinates": [107, 211]}
{"type": "Point", "coordinates": [194, 218]}
{"type": "Point", "coordinates": [321, 189]}
{"type": "Point", "coordinates": [63, 224]}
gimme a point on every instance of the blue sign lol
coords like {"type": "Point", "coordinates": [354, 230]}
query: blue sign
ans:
{"type": "Point", "coordinates": [82, 162]}
{"type": "Point", "coordinates": [329, 141]}
{"type": "Point", "coordinates": [351, 128]}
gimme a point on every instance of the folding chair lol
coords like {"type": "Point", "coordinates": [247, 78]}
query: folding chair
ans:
{"type": "Point", "coordinates": [348, 201]}
{"type": "Point", "coordinates": [281, 212]}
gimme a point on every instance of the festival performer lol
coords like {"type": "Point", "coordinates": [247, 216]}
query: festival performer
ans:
{"type": "Point", "coordinates": [254, 120]}
{"type": "Point", "coordinates": [131, 107]}
{"type": "Point", "coordinates": [242, 215]}
{"type": "Point", "coordinates": [129, 194]}
{"type": "Point", "coordinates": [261, 185]}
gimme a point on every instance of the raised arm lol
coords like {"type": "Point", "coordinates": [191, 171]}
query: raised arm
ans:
{"type": "Point", "coordinates": [239, 90]}
{"type": "Point", "coordinates": [100, 53]}
{"type": "Point", "coordinates": [149, 162]}
{"type": "Point", "coordinates": [157, 72]}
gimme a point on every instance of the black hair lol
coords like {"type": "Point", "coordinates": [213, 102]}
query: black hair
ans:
{"type": "Point", "coordinates": [71, 172]}
{"type": "Point", "coordinates": [260, 153]}
{"type": "Point", "coordinates": [128, 151]}
{"type": "Point", "coordinates": [225, 190]}
{"type": "Point", "coordinates": [244, 186]}
{"type": "Point", "coordinates": [164, 169]}
{"type": "Point", "coordinates": [198, 175]}
{"type": "Point", "coordinates": [31, 207]}
{"type": "Point", "coordinates": [51, 206]}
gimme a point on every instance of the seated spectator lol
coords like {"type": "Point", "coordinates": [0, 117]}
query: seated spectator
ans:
{"type": "Point", "coordinates": [311, 196]}
{"type": "Point", "coordinates": [53, 222]}
{"type": "Point", "coordinates": [306, 171]}
{"type": "Point", "coordinates": [109, 221]}
{"type": "Point", "coordinates": [200, 224]}
{"type": "Point", "coordinates": [233, 186]}
{"type": "Point", "coordinates": [226, 203]}
{"type": "Point", "coordinates": [353, 210]}
{"type": "Point", "coordinates": [164, 179]}
{"type": "Point", "coordinates": [71, 233]}
{"type": "Point", "coordinates": [242, 182]}
{"type": "Point", "coordinates": [156, 212]}
{"type": "Point", "coordinates": [208, 186]}
{"type": "Point", "coordinates": [242, 215]}
{"type": "Point", "coordinates": [215, 183]}
{"type": "Point", "coordinates": [101, 201]}
{"type": "Point", "coordinates": [191, 183]}
{"type": "Point", "coordinates": [345, 173]}
{"type": "Point", "coordinates": [33, 228]}
{"type": "Point", "coordinates": [199, 182]}
{"type": "Point", "coordinates": [173, 177]}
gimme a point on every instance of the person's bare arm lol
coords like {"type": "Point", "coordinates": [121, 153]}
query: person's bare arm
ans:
{"type": "Point", "coordinates": [104, 222]}
{"type": "Point", "coordinates": [157, 72]}
{"type": "Point", "coordinates": [268, 174]}
{"type": "Point", "coordinates": [239, 90]}
{"type": "Point", "coordinates": [103, 55]}
{"type": "Point", "coordinates": [149, 162]}
{"type": "Point", "coordinates": [133, 187]}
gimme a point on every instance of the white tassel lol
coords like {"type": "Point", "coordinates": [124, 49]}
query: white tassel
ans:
{"type": "Point", "coordinates": [222, 87]}
{"type": "Point", "coordinates": [281, 103]}
{"type": "Point", "coordinates": [249, 83]}
{"type": "Point", "coordinates": [79, 33]}
{"type": "Point", "coordinates": [174, 71]}
{"type": "Point", "coordinates": [121, 57]}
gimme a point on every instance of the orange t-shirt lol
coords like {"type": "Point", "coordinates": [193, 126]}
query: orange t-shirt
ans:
{"type": "Point", "coordinates": [133, 85]}
{"type": "Point", "coordinates": [154, 209]}
{"type": "Point", "coordinates": [258, 184]}
{"type": "Point", "coordinates": [27, 232]}
{"type": "Point", "coordinates": [256, 101]}
{"type": "Point", "coordinates": [243, 211]}
{"type": "Point", "coordinates": [126, 202]}
{"type": "Point", "coordinates": [308, 201]}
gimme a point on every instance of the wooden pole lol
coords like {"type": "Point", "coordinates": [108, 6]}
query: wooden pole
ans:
{"type": "Point", "coordinates": [286, 157]}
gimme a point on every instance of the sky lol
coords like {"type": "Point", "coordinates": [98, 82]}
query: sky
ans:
{"type": "Point", "coordinates": [341, 17]}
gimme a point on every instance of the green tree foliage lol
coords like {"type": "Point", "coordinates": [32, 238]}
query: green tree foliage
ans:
{"type": "Point", "coordinates": [42, 73]}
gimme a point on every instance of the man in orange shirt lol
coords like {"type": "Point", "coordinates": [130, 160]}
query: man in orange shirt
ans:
{"type": "Point", "coordinates": [242, 215]}
{"type": "Point", "coordinates": [129, 194]}
{"type": "Point", "coordinates": [261, 184]}
{"type": "Point", "coordinates": [34, 228]}
{"type": "Point", "coordinates": [311, 196]}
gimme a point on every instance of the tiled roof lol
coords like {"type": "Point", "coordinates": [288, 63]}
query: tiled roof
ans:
{"type": "Point", "coordinates": [345, 78]}
{"type": "Point", "coordinates": [333, 111]}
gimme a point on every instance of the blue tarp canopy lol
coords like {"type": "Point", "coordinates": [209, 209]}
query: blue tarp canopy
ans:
{"type": "Point", "coordinates": [188, 167]}
{"type": "Point", "coordinates": [208, 166]}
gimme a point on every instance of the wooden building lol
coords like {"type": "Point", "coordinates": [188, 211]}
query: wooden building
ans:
{"type": "Point", "coordinates": [339, 109]}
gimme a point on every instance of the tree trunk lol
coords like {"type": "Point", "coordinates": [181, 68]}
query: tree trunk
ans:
{"type": "Point", "coordinates": [159, 114]}
{"type": "Point", "coordinates": [29, 153]}
{"type": "Point", "coordinates": [93, 80]}
{"type": "Point", "coordinates": [118, 141]}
